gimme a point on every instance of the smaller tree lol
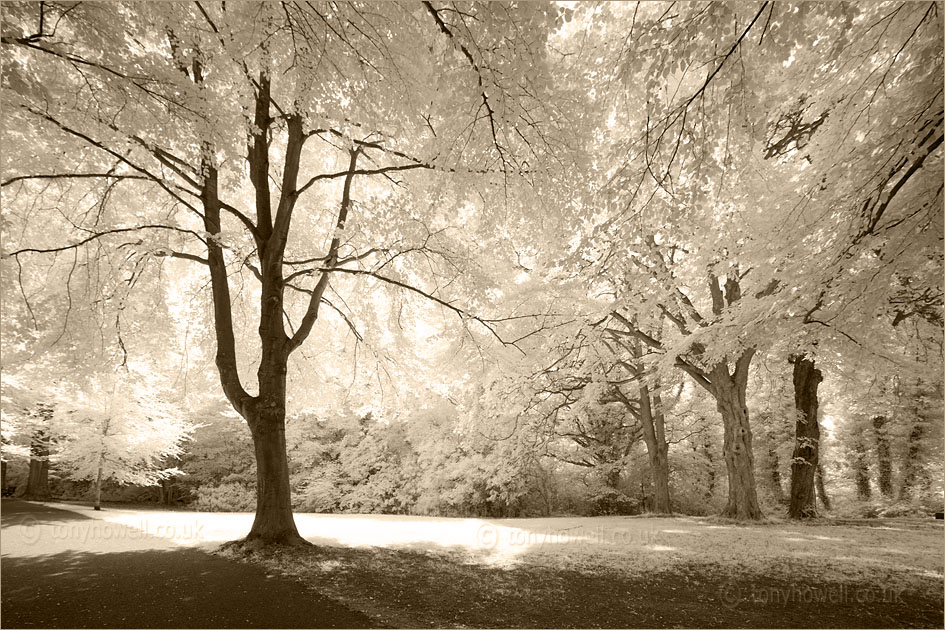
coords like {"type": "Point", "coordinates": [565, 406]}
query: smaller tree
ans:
{"type": "Point", "coordinates": [119, 428]}
{"type": "Point", "coordinates": [27, 433]}
{"type": "Point", "coordinates": [806, 458]}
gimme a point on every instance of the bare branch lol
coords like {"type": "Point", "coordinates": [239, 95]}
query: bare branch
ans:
{"type": "Point", "coordinates": [98, 235]}
{"type": "Point", "coordinates": [19, 178]}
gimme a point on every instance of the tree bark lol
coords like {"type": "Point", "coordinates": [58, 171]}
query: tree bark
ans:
{"type": "Point", "coordinates": [98, 483]}
{"type": "Point", "coordinates": [806, 438]}
{"type": "Point", "coordinates": [265, 412]}
{"type": "Point", "coordinates": [861, 469]}
{"type": "Point", "coordinates": [821, 487]}
{"type": "Point", "coordinates": [612, 477]}
{"type": "Point", "coordinates": [274, 522]}
{"type": "Point", "coordinates": [883, 456]}
{"type": "Point", "coordinates": [37, 483]}
{"type": "Point", "coordinates": [774, 472]}
{"type": "Point", "coordinates": [910, 467]}
{"type": "Point", "coordinates": [168, 494]}
{"type": "Point", "coordinates": [710, 481]}
{"type": "Point", "coordinates": [729, 391]}
{"type": "Point", "coordinates": [654, 436]}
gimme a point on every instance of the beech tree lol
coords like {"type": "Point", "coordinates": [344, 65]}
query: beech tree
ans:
{"type": "Point", "coordinates": [748, 196]}
{"type": "Point", "coordinates": [192, 125]}
{"type": "Point", "coordinates": [805, 461]}
{"type": "Point", "coordinates": [118, 428]}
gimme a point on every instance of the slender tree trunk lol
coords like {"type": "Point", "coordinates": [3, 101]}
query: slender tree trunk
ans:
{"type": "Point", "coordinates": [612, 478]}
{"type": "Point", "coordinates": [37, 483]}
{"type": "Point", "coordinates": [774, 471]}
{"type": "Point", "coordinates": [710, 481]}
{"type": "Point", "coordinates": [98, 483]}
{"type": "Point", "coordinates": [3, 476]}
{"type": "Point", "coordinates": [654, 436]}
{"type": "Point", "coordinates": [168, 494]}
{"type": "Point", "coordinates": [861, 469]}
{"type": "Point", "coordinates": [729, 393]}
{"type": "Point", "coordinates": [821, 487]}
{"type": "Point", "coordinates": [806, 438]}
{"type": "Point", "coordinates": [910, 467]}
{"type": "Point", "coordinates": [883, 456]}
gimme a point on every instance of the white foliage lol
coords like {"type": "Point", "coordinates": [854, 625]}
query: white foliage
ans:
{"type": "Point", "coordinates": [122, 424]}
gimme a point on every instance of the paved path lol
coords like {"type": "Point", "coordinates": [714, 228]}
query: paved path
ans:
{"type": "Point", "coordinates": [147, 583]}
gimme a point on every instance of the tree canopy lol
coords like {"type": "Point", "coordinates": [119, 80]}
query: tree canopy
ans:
{"type": "Point", "coordinates": [558, 234]}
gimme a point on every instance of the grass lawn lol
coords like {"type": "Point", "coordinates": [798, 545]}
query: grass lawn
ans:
{"type": "Point", "coordinates": [623, 572]}
{"type": "Point", "coordinates": [408, 571]}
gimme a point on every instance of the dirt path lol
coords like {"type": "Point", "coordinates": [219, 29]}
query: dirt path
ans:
{"type": "Point", "coordinates": [149, 583]}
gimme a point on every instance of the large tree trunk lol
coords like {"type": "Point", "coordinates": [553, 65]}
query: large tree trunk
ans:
{"type": "Point", "coordinates": [729, 391]}
{"type": "Point", "coordinates": [861, 469]}
{"type": "Point", "coordinates": [273, 522]}
{"type": "Point", "coordinates": [37, 484]}
{"type": "Point", "coordinates": [659, 467]}
{"type": "Point", "coordinates": [654, 436]}
{"type": "Point", "coordinates": [883, 456]}
{"type": "Point", "coordinates": [806, 438]}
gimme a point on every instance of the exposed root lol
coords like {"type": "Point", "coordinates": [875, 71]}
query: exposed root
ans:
{"type": "Point", "coordinates": [258, 544]}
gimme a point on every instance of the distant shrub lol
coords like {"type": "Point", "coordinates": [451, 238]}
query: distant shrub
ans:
{"type": "Point", "coordinates": [608, 502]}
{"type": "Point", "coordinates": [321, 494]}
{"type": "Point", "coordinates": [225, 497]}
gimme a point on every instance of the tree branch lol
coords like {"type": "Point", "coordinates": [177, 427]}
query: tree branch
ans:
{"type": "Point", "coordinates": [311, 313]}
{"type": "Point", "coordinates": [98, 235]}
{"type": "Point", "coordinates": [72, 176]}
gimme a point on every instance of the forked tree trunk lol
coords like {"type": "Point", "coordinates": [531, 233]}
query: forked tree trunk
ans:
{"type": "Point", "coordinates": [806, 438]}
{"type": "Point", "coordinates": [883, 456]}
{"type": "Point", "coordinates": [729, 393]}
{"type": "Point", "coordinates": [168, 492]}
{"type": "Point", "coordinates": [265, 412]}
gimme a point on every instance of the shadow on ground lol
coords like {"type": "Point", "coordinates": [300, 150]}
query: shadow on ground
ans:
{"type": "Point", "coordinates": [150, 588]}
{"type": "Point", "coordinates": [410, 589]}
{"type": "Point", "coordinates": [17, 512]}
